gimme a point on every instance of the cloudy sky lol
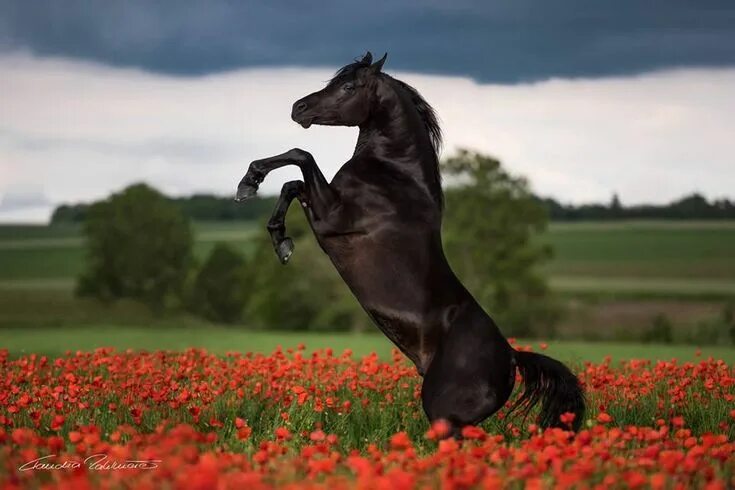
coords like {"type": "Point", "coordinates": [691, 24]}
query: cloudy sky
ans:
{"type": "Point", "coordinates": [634, 97]}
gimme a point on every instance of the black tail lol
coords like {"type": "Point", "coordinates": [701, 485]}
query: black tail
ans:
{"type": "Point", "coordinates": [550, 382]}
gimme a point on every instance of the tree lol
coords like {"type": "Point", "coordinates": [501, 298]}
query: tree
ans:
{"type": "Point", "coordinates": [139, 245]}
{"type": "Point", "coordinates": [220, 289]}
{"type": "Point", "coordinates": [491, 225]}
{"type": "Point", "coordinates": [616, 208]}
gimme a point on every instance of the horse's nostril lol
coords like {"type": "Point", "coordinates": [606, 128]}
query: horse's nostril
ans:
{"type": "Point", "coordinates": [301, 107]}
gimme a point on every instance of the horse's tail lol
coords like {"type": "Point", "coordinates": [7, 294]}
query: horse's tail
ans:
{"type": "Point", "coordinates": [550, 382]}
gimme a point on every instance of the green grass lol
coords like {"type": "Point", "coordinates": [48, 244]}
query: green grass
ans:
{"type": "Point", "coordinates": [41, 262]}
{"type": "Point", "coordinates": [687, 250]}
{"type": "Point", "coordinates": [55, 341]}
{"type": "Point", "coordinates": [33, 253]}
{"type": "Point", "coordinates": [43, 303]}
{"type": "Point", "coordinates": [648, 258]}
{"type": "Point", "coordinates": [10, 233]}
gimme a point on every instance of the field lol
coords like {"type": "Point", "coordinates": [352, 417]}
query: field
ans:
{"type": "Point", "coordinates": [53, 256]}
{"type": "Point", "coordinates": [328, 419]}
{"type": "Point", "coordinates": [668, 258]}
{"type": "Point", "coordinates": [654, 258]}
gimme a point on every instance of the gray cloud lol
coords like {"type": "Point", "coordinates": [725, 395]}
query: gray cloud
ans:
{"type": "Point", "coordinates": [23, 198]}
{"type": "Point", "coordinates": [507, 41]}
{"type": "Point", "coordinates": [163, 147]}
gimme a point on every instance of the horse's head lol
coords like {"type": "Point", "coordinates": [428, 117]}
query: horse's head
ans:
{"type": "Point", "coordinates": [346, 100]}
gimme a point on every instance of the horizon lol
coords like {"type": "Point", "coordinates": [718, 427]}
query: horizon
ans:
{"type": "Point", "coordinates": [606, 204]}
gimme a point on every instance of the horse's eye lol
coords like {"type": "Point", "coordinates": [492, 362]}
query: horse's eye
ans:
{"type": "Point", "coordinates": [348, 87]}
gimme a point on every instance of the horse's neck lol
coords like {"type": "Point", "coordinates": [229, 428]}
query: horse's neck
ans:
{"type": "Point", "coordinates": [396, 134]}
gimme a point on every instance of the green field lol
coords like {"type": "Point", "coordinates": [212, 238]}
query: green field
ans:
{"type": "Point", "coordinates": [649, 257]}
{"type": "Point", "coordinates": [217, 339]}
{"type": "Point", "coordinates": [36, 254]}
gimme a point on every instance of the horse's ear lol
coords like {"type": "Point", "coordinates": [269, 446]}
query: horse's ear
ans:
{"type": "Point", "coordinates": [378, 65]}
{"type": "Point", "coordinates": [367, 59]}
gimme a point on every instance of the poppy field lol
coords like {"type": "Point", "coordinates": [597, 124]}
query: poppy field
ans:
{"type": "Point", "coordinates": [323, 419]}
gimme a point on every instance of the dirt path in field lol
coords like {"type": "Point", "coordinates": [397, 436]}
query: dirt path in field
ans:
{"type": "Point", "coordinates": [607, 316]}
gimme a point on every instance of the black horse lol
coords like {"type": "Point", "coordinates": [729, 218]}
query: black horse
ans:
{"type": "Point", "coordinates": [379, 221]}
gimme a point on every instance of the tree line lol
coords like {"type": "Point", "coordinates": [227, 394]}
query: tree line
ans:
{"type": "Point", "coordinates": [199, 207]}
{"type": "Point", "coordinates": [694, 206]}
{"type": "Point", "coordinates": [209, 207]}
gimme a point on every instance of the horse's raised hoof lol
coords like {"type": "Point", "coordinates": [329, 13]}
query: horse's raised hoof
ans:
{"type": "Point", "coordinates": [284, 250]}
{"type": "Point", "coordinates": [245, 192]}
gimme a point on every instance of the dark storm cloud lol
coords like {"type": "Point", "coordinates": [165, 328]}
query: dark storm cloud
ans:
{"type": "Point", "coordinates": [506, 41]}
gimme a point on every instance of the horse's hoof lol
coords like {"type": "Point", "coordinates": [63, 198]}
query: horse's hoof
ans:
{"type": "Point", "coordinates": [284, 250]}
{"type": "Point", "coordinates": [245, 192]}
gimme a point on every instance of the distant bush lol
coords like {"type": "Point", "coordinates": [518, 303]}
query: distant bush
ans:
{"type": "Point", "coordinates": [70, 213]}
{"type": "Point", "coordinates": [728, 317]}
{"type": "Point", "coordinates": [720, 330]}
{"type": "Point", "coordinates": [661, 331]}
{"type": "Point", "coordinates": [139, 246]}
{"type": "Point", "coordinates": [623, 334]}
{"type": "Point", "coordinates": [220, 289]}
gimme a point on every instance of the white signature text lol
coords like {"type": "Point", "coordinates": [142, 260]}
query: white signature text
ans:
{"type": "Point", "coordinates": [96, 462]}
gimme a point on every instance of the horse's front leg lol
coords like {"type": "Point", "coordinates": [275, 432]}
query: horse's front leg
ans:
{"type": "Point", "coordinates": [320, 197]}
{"type": "Point", "coordinates": [314, 193]}
{"type": "Point", "coordinates": [282, 244]}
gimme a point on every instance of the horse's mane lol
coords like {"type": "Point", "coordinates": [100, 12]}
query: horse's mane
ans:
{"type": "Point", "coordinates": [425, 111]}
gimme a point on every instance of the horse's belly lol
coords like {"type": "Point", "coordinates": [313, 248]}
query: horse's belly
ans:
{"type": "Point", "coordinates": [393, 285]}
{"type": "Point", "coordinates": [377, 275]}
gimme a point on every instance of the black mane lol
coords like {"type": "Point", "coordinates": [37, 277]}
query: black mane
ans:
{"type": "Point", "coordinates": [347, 71]}
{"type": "Point", "coordinates": [428, 115]}
{"type": "Point", "coordinates": [425, 111]}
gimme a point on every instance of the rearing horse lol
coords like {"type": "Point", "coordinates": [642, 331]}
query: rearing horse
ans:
{"type": "Point", "coordinates": [379, 221]}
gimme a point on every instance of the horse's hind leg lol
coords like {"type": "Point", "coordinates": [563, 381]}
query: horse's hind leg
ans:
{"type": "Point", "coordinates": [471, 375]}
{"type": "Point", "coordinates": [282, 244]}
{"type": "Point", "coordinates": [461, 404]}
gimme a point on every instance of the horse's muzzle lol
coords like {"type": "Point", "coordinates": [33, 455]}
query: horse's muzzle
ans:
{"type": "Point", "coordinates": [298, 113]}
